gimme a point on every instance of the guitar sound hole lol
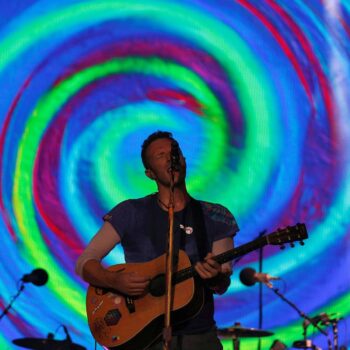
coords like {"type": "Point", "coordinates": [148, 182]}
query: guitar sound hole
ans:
{"type": "Point", "coordinates": [157, 286]}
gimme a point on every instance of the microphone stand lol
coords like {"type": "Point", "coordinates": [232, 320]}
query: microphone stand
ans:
{"type": "Point", "coordinates": [261, 256]}
{"type": "Point", "coordinates": [12, 301]}
{"type": "Point", "coordinates": [169, 266]}
{"type": "Point", "coordinates": [301, 313]}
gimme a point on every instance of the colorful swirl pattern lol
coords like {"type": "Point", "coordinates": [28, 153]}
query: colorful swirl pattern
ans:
{"type": "Point", "coordinates": [255, 91]}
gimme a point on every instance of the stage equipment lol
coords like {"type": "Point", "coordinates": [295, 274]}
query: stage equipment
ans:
{"type": "Point", "coordinates": [248, 277]}
{"type": "Point", "coordinates": [325, 320]}
{"type": "Point", "coordinates": [170, 251]}
{"type": "Point", "coordinates": [236, 332]}
{"type": "Point", "coordinates": [47, 344]}
{"type": "Point", "coordinates": [242, 332]}
{"type": "Point", "coordinates": [175, 156]}
{"type": "Point", "coordinates": [277, 345]}
{"type": "Point", "coordinates": [305, 344]}
{"type": "Point", "coordinates": [38, 277]}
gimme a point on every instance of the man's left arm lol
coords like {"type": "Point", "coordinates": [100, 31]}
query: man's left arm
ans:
{"type": "Point", "coordinates": [222, 281]}
{"type": "Point", "coordinates": [217, 276]}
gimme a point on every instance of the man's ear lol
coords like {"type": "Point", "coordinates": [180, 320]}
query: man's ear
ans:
{"type": "Point", "coordinates": [149, 173]}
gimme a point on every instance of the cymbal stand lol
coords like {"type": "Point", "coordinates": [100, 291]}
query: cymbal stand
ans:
{"type": "Point", "coordinates": [335, 333]}
{"type": "Point", "coordinates": [235, 342]}
{"type": "Point", "coordinates": [20, 289]}
{"type": "Point", "coordinates": [334, 323]}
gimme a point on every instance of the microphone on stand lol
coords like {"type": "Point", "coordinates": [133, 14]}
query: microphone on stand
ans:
{"type": "Point", "coordinates": [248, 276]}
{"type": "Point", "coordinates": [175, 156]}
{"type": "Point", "coordinates": [38, 277]}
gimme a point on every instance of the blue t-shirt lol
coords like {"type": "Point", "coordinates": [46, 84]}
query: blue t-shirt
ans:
{"type": "Point", "coordinates": [143, 228]}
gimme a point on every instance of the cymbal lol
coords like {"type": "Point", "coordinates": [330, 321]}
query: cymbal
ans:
{"type": "Point", "coordinates": [241, 332]}
{"type": "Point", "coordinates": [46, 344]}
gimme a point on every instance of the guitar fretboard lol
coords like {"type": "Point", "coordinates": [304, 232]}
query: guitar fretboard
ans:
{"type": "Point", "coordinates": [222, 258]}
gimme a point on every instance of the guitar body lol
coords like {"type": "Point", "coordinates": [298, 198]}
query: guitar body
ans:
{"type": "Point", "coordinates": [128, 323]}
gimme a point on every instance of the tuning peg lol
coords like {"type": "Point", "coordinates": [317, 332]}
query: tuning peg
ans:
{"type": "Point", "coordinates": [282, 246]}
{"type": "Point", "coordinates": [292, 245]}
{"type": "Point", "coordinates": [302, 243]}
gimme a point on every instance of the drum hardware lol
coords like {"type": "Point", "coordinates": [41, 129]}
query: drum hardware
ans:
{"type": "Point", "coordinates": [237, 331]}
{"type": "Point", "coordinates": [305, 344]}
{"type": "Point", "coordinates": [48, 343]}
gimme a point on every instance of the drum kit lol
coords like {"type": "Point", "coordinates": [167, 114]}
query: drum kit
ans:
{"type": "Point", "coordinates": [47, 344]}
{"type": "Point", "coordinates": [236, 332]}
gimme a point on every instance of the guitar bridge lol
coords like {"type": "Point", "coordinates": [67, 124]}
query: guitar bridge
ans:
{"type": "Point", "coordinates": [130, 304]}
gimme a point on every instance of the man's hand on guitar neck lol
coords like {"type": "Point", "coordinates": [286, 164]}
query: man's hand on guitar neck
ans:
{"type": "Point", "coordinates": [208, 268]}
{"type": "Point", "coordinates": [212, 272]}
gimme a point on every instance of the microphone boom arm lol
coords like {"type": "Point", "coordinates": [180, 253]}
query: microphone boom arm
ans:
{"type": "Point", "coordinates": [301, 313]}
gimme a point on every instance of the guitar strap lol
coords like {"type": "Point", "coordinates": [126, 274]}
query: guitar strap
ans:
{"type": "Point", "coordinates": [199, 231]}
{"type": "Point", "coordinates": [158, 229]}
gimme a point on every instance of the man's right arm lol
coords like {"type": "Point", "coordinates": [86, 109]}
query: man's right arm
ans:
{"type": "Point", "coordinates": [89, 265]}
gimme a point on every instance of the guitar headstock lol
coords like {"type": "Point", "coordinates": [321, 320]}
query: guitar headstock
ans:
{"type": "Point", "coordinates": [289, 234]}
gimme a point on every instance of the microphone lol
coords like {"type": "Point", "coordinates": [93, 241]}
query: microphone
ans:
{"type": "Point", "coordinates": [175, 156]}
{"type": "Point", "coordinates": [68, 338]}
{"type": "Point", "coordinates": [38, 277]}
{"type": "Point", "coordinates": [249, 277]}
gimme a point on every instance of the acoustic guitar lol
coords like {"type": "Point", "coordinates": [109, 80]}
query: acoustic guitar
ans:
{"type": "Point", "coordinates": [120, 322]}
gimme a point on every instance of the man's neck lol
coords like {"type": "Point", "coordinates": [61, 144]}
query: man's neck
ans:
{"type": "Point", "coordinates": [181, 197]}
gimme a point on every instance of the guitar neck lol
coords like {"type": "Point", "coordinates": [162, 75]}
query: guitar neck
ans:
{"type": "Point", "coordinates": [241, 250]}
{"type": "Point", "coordinates": [222, 258]}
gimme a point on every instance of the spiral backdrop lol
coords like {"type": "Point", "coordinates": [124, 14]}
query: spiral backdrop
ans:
{"type": "Point", "coordinates": [257, 93]}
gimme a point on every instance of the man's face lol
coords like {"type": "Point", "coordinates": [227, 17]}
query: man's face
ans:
{"type": "Point", "coordinates": [159, 162]}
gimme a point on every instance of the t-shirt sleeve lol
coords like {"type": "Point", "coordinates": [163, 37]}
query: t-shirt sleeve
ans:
{"type": "Point", "coordinates": [120, 217]}
{"type": "Point", "coordinates": [221, 223]}
{"type": "Point", "coordinates": [99, 246]}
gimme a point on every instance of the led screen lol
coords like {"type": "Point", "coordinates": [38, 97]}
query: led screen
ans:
{"type": "Point", "coordinates": [255, 91]}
